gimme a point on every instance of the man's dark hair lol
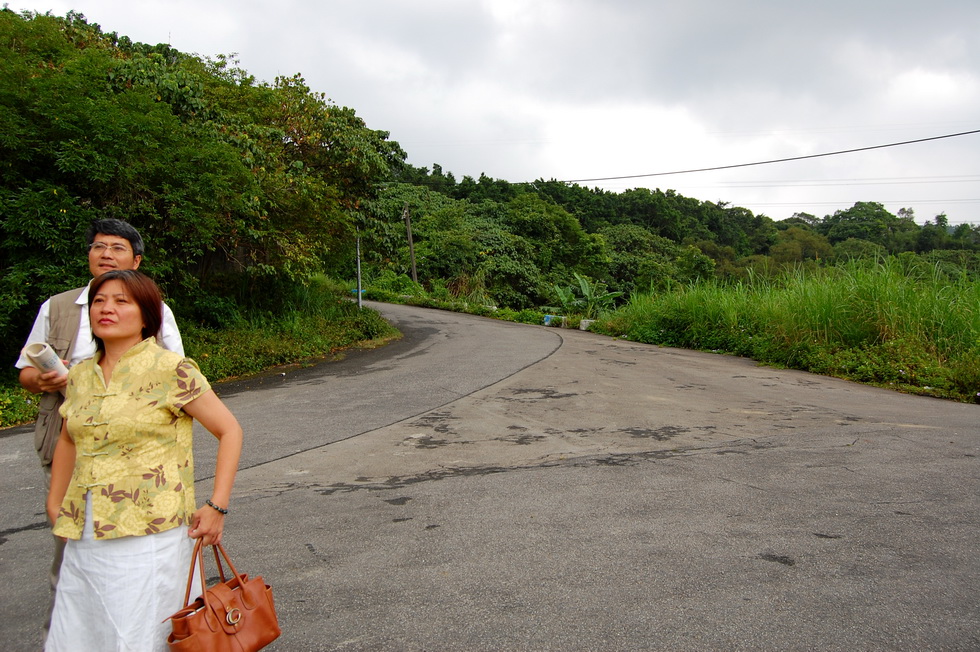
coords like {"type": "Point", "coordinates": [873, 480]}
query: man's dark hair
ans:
{"type": "Point", "coordinates": [119, 229]}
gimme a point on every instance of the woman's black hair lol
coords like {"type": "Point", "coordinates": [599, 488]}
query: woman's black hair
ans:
{"type": "Point", "coordinates": [144, 293]}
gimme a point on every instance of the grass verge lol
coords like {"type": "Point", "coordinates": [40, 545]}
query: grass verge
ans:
{"type": "Point", "coordinates": [908, 328]}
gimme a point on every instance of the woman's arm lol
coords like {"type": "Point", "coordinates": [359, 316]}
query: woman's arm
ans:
{"type": "Point", "coordinates": [220, 422]}
{"type": "Point", "coordinates": [62, 466]}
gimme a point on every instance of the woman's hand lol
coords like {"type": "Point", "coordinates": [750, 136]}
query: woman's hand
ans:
{"type": "Point", "coordinates": [53, 517]}
{"type": "Point", "coordinates": [208, 524]}
{"type": "Point", "coordinates": [52, 513]}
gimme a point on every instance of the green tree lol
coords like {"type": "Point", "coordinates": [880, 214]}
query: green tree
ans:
{"type": "Point", "coordinates": [666, 214]}
{"type": "Point", "coordinates": [693, 266]}
{"type": "Point", "coordinates": [855, 248]}
{"type": "Point", "coordinates": [934, 235]}
{"type": "Point", "coordinates": [639, 260]}
{"type": "Point", "coordinates": [966, 237]}
{"type": "Point", "coordinates": [559, 243]}
{"type": "Point", "coordinates": [869, 221]}
{"type": "Point", "coordinates": [797, 244]}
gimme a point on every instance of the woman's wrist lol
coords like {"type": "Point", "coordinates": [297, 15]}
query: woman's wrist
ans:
{"type": "Point", "coordinates": [223, 510]}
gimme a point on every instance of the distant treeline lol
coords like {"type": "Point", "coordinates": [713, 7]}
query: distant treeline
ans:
{"type": "Point", "coordinates": [514, 242]}
{"type": "Point", "coordinates": [246, 190]}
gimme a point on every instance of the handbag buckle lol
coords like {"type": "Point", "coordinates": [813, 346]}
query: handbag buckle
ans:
{"type": "Point", "coordinates": [233, 616]}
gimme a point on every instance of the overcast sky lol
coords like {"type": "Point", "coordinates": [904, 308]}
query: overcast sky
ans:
{"type": "Point", "coordinates": [584, 89]}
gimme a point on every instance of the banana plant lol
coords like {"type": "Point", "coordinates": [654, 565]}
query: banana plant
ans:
{"type": "Point", "coordinates": [594, 297]}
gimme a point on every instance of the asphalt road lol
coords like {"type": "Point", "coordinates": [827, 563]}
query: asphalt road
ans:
{"type": "Point", "coordinates": [480, 485]}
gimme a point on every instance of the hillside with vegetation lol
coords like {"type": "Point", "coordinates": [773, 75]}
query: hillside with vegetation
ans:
{"type": "Point", "coordinates": [252, 195]}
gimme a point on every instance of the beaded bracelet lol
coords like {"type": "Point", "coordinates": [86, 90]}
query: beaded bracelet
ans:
{"type": "Point", "coordinates": [220, 509]}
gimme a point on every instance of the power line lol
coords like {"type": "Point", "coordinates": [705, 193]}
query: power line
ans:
{"type": "Point", "coordinates": [899, 202]}
{"type": "Point", "coordinates": [742, 185]}
{"type": "Point", "coordinates": [778, 160]}
{"type": "Point", "coordinates": [880, 181]}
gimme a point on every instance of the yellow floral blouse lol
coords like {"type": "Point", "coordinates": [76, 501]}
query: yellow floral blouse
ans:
{"type": "Point", "coordinates": [133, 443]}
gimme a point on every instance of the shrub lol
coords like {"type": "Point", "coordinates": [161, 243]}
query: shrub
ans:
{"type": "Point", "coordinates": [17, 405]}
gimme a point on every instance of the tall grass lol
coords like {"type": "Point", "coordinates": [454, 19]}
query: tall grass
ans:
{"type": "Point", "coordinates": [894, 323]}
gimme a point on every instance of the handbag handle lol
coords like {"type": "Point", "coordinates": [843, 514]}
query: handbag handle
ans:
{"type": "Point", "coordinates": [198, 560]}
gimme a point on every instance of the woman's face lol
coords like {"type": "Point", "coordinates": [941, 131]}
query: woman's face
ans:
{"type": "Point", "coordinates": [114, 315]}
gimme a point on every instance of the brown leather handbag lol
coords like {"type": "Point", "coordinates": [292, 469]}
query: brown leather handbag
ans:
{"type": "Point", "coordinates": [237, 614]}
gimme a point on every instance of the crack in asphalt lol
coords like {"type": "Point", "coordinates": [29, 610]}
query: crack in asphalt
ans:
{"type": "Point", "coordinates": [401, 482]}
{"type": "Point", "coordinates": [38, 525]}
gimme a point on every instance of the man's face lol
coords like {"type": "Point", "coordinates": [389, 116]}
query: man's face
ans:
{"type": "Point", "coordinates": [109, 252]}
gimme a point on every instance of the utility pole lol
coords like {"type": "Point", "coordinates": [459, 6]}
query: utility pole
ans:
{"type": "Point", "coordinates": [411, 245]}
{"type": "Point", "coordinates": [359, 268]}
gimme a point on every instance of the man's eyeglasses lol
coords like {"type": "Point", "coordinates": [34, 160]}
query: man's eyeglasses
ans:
{"type": "Point", "coordinates": [116, 249]}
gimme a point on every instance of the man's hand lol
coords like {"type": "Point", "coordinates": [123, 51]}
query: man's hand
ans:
{"type": "Point", "coordinates": [35, 382]}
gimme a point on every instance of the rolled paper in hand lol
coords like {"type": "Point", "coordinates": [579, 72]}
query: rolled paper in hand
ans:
{"type": "Point", "coordinates": [44, 358]}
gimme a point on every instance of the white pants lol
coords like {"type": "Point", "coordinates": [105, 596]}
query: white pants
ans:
{"type": "Point", "coordinates": [114, 594]}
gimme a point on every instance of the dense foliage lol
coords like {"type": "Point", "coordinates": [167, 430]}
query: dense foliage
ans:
{"type": "Point", "coordinates": [240, 189]}
{"type": "Point", "coordinates": [246, 191]}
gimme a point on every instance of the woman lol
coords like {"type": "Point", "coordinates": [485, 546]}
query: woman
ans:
{"type": "Point", "coordinates": [122, 479]}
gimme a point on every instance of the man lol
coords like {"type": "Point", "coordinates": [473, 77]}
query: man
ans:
{"type": "Point", "coordinates": [63, 322]}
